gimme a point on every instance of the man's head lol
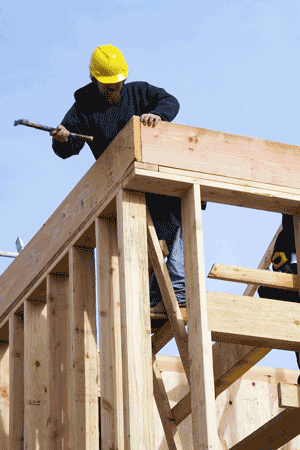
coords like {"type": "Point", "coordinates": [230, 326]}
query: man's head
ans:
{"type": "Point", "coordinates": [109, 70]}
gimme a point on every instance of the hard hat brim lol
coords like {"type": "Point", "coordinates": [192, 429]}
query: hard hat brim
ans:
{"type": "Point", "coordinates": [109, 80]}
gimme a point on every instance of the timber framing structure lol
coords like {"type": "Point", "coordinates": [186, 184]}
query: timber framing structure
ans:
{"type": "Point", "coordinates": [48, 354]}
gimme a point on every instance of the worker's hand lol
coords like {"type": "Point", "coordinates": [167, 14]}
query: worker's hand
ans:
{"type": "Point", "coordinates": [60, 134]}
{"type": "Point", "coordinates": [150, 119]}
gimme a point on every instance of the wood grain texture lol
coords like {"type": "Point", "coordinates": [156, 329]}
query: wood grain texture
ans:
{"type": "Point", "coordinates": [200, 351]}
{"type": "Point", "coordinates": [59, 421]}
{"type": "Point", "coordinates": [219, 153]}
{"type": "Point", "coordinates": [112, 426]}
{"type": "Point", "coordinates": [260, 277]}
{"type": "Point", "coordinates": [36, 383]}
{"type": "Point", "coordinates": [215, 189]}
{"type": "Point", "coordinates": [164, 409]}
{"type": "Point", "coordinates": [69, 218]}
{"type": "Point", "coordinates": [83, 387]}
{"type": "Point", "coordinates": [16, 381]}
{"type": "Point", "coordinates": [240, 319]}
{"type": "Point", "coordinates": [4, 396]}
{"type": "Point", "coordinates": [135, 321]}
{"type": "Point", "coordinates": [289, 395]}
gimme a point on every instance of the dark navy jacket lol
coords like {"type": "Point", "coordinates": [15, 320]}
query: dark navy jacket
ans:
{"type": "Point", "coordinates": [92, 115]}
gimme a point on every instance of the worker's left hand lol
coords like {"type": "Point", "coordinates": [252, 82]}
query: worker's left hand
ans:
{"type": "Point", "coordinates": [150, 119]}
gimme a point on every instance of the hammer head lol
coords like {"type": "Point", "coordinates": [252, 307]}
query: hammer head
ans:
{"type": "Point", "coordinates": [20, 122]}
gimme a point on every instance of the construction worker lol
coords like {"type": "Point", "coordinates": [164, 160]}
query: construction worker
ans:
{"type": "Point", "coordinates": [284, 260]}
{"type": "Point", "coordinates": [101, 109]}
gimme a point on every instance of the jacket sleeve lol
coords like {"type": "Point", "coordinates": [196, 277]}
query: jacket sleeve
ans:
{"type": "Point", "coordinates": [72, 123]}
{"type": "Point", "coordinates": [162, 104]}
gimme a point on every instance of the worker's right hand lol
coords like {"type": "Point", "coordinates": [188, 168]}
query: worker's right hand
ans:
{"type": "Point", "coordinates": [60, 134]}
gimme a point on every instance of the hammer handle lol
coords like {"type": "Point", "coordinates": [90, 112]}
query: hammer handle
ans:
{"type": "Point", "coordinates": [46, 128]}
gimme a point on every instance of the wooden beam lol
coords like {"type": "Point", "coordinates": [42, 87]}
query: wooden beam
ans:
{"type": "Point", "coordinates": [218, 153]}
{"type": "Point", "coordinates": [274, 434]}
{"type": "Point", "coordinates": [169, 181]}
{"type": "Point", "coordinates": [36, 384]}
{"type": "Point", "coordinates": [200, 351]}
{"type": "Point", "coordinates": [135, 321]}
{"type": "Point", "coordinates": [16, 381]}
{"type": "Point", "coordinates": [4, 396]}
{"type": "Point", "coordinates": [82, 390]}
{"type": "Point", "coordinates": [257, 276]}
{"type": "Point", "coordinates": [83, 203]}
{"type": "Point", "coordinates": [288, 395]}
{"type": "Point", "coordinates": [259, 321]}
{"type": "Point", "coordinates": [112, 427]}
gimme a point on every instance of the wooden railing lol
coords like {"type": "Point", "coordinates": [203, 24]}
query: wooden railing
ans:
{"type": "Point", "coordinates": [48, 355]}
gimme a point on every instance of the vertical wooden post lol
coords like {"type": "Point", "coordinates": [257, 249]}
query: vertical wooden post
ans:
{"type": "Point", "coordinates": [59, 367]}
{"type": "Point", "coordinates": [4, 392]}
{"type": "Point", "coordinates": [35, 376]}
{"type": "Point", "coordinates": [83, 389]}
{"type": "Point", "coordinates": [16, 382]}
{"type": "Point", "coordinates": [135, 321]}
{"type": "Point", "coordinates": [200, 346]}
{"type": "Point", "coordinates": [112, 425]}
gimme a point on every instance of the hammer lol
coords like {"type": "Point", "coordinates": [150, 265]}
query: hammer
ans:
{"type": "Point", "coordinates": [45, 128]}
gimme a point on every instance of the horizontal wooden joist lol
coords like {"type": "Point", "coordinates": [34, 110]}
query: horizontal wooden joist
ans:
{"type": "Point", "coordinates": [217, 189]}
{"type": "Point", "coordinates": [253, 321]}
{"type": "Point", "coordinates": [256, 276]}
{"type": "Point", "coordinates": [250, 321]}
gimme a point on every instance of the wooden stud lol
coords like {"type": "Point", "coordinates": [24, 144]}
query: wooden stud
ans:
{"type": "Point", "coordinates": [200, 348]}
{"type": "Point", "coordinates": [112, 427]}
{"type": "Point", "coordinates": [261, 277]}
{"type": "Point", "coordinates": [16, 381]}
{"type": "Point", "coordinates": [36, 387]}
{"type": "Point", "coordinates": [169, 298]}
{"type": "Point", "coordinates": [4, 389]}
{"type": "Point", "coordinates": [135, 321]}
{"type": "Point", "coordinates": [82, 390]}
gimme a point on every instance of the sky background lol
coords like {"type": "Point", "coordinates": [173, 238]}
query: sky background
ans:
{"type": "Point", "coordinates": [233, 66]}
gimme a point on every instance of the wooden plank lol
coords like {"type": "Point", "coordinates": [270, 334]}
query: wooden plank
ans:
{"type": "Point", "coordinates": [167, 292]}
{"type": "Point", "coordinates": [274, 434]}
{"type": "Point", "coordinates": [112, 428]}
{"type": "Point", "coordinates": [36, 384]}
{"type": "Point", "coordinates": [135, 321]}
{"type": "Point", "coordinates": [218, 153]}
{"type": "Point", "coordinates": [218, 190]}
{"type": "Point", "coordinates": [236, 318]}
{"type": "Point", "coordinates": [163, 406]}
{"type": "Point", "coordinates": [16, 381]}
{"type": "Point", "coordinates": [59, 420]}
{"type": "Point", "coordinates": [247, 275]}
{"type": "Point", "coordinates": [288, 395]}
{"type": "Point", "coordinates": [82, 390]}
{"type": "Point", "coordinates": [69, 218]}
{"type": "Point", "coordinates": [4, 395]}
{"type": "Point", "coordinates": [200, 351]}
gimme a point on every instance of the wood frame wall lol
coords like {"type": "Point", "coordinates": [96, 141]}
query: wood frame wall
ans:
{"type": "Point", "coordinates": [48, 356]}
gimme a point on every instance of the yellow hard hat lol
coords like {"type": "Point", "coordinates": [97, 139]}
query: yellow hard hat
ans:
{"type": "Point", "coordinates": [108, 64]}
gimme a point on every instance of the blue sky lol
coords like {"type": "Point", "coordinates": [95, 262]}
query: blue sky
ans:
{"type": "Point", "coordinates": [233, 65]}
